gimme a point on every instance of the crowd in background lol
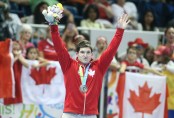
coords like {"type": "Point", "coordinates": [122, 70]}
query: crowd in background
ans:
{"type": "Point", "coordinates": [145, 15]}
{"type": "Point", "coordinates": [149, 15]}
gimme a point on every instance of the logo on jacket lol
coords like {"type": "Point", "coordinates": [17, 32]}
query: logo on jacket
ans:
{"type": "Point", "coordinates": [91, 72]}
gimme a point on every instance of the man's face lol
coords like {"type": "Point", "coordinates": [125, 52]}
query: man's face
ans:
{"type": "Point", "coordinates": [85, 55]}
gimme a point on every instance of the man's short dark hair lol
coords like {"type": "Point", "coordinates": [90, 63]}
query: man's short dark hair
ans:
{"type": "Point", "coordinates": [83, 44]}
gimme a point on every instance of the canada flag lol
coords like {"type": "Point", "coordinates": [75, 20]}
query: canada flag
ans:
{"type": "Point", "coordinates": [142, 96]}
{"type": "Point", "coordinates": [6, 70]}
{"type": "Point", "coordinates": [44, 85]}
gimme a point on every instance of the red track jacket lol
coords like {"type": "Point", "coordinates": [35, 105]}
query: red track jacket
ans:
{"type": "Point", "coordinates": [76, 101]}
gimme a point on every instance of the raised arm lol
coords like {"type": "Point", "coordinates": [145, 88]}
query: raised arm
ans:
{"type": "Point", "coordinates": [107, 56]}
{"type": "Point", "coordinates": [53, 15]}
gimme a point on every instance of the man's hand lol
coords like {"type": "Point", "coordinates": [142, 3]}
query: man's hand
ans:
{"type": "Point", "coordinates": [123, 21]}
{"type": "Point", "coordinates": [53, 13]}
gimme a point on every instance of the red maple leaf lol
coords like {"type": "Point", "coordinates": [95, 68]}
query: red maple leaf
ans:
{"type": "Point", "coordinates": [43, 76]}
{"type": "Point", "coordinates": [144, 103]}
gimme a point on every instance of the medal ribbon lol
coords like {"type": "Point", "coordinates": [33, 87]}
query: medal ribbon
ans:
{"type": "Point", "coordinates": [83, 78]}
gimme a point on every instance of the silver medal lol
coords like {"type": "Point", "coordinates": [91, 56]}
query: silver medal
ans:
{"type": "Point", "coordinates": [83, 88]}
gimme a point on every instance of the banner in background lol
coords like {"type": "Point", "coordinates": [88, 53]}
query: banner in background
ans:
{"type": "Point", "coordinates": [31, 111]}
{"type": "Point", "coordinates": [112, 99]}
{"type": "Point", "coordinates": [170, 84]}
{"type": "Point", "coordinates": [44, 85]}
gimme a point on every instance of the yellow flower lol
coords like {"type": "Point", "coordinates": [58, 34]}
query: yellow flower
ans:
{"type": "Point", "coordinates": [60, 6]}
{"type": "Point", "coordinates": [54, 15]}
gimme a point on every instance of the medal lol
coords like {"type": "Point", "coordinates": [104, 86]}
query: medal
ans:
{"type": "Point", "coordinates": [83, 88]}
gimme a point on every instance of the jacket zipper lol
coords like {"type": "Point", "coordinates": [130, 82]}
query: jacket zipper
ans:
{"type": "Point", "coordinates": [84, 105]}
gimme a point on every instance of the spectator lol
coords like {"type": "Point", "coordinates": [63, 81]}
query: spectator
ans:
{"type": "Point", "coordinates": [24, 38]}
{"type": "Point", "coordinates": [149, 54]}
{"type": "Point", "coordinates": [131, 61]}
{"type": "Point", "coordinates": [101, 45]}
{"type": "Point", "coordinates": [149, 21]}
{"type": "Point", "coordinates": [160, 10]}
{"type": "Point", "coordinates": [169, 40]}
{"type": "Point", "coordinates": [79, 4]}
{"type": "Point", "coordinates": [37, 8]}
{"type": "Point", "coordinates": [20, 7]}
{"type": "Point", "coordinates": [162, 57]}
{"type": "Point", "coordinates": [32, 54]}
{"type": "Point", "coordinates": [90, 16]}
{"type": "Point", "coordinates": [140, 46]}
{"type": "Point", "coordinates": [105, 12]}
{"type": "Point", "coordinates": [16, 50]}
{"type": "Point", "coordinates": [37, 18]}
{"type": "Point", "coordinates": [9, 22]}
{"type": "Point", "coordinates": [46, 48]}
{"type": "Point", "coordinates": [121, 7]}
{"type": "Point", "coordinates": [69, 33]}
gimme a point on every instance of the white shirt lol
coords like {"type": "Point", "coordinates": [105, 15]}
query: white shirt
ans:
{"type": "Point", "coordinates": [128, 7]}
{"type": "Point", "coordinates": [170, 66]}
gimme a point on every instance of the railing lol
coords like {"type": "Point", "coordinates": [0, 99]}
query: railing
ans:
{"type": "Point", "coordinates": [149, 37]}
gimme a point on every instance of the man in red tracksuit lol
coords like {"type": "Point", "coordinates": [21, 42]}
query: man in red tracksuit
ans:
{"type": "Point", "coordinates": [83, 76]}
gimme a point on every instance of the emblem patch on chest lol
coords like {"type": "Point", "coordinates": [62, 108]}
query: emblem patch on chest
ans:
{"type": "Point", "coordinates": [91, 72]}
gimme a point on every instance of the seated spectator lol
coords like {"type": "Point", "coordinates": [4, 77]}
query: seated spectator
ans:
{"type": "Point", "coordinates": [90, 16]}
{"type": "Point", "coordinates": [169, 36]}
{"type": "Point", "coordinates": [24, 38]}
{"type": "Point", "coordinates": [161, 58]}
{"type": "Point", "coordinates": [105, 12]}
{"type": "Point", "coordinates": [9, 22]}
{"type": "Point", "coordinates": [131, 61]}
{"type": "Point", "coordinates": [101, 45]}
{"type": "Point", "coordinates": [31, 54]}
{"type": "Point", "coordinates": [160, 10]}
{"type": "Point", "coordinates": [140, 46]}
{"type": "Point", "coordinates": [79, 4]}
{"type": "Point", "coordinates": [149, 21]}
{"type": "Point", "coordinates": [20, 7]}
{"type": "Point", "coordinates": [69, 33]}
{"type": "Point", "coordinates": [38, 18]}
{"type": "Point", "coordinates": [46, 48]}
{"type": "Point", "coordinates": [121, 7]}
{"type": "Point", "coordinates": [149, 54]}
{"type": "Point", "coordinates": [37, 8]}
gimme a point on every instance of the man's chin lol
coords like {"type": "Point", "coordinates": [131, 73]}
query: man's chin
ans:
{"type": "Point", "coordinates": [85, 62]}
